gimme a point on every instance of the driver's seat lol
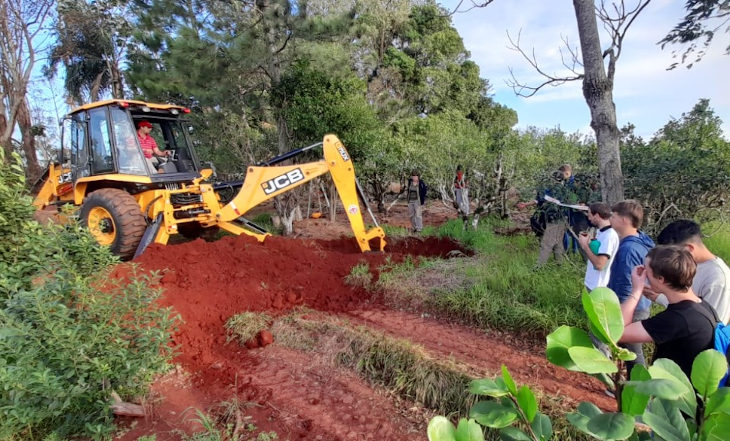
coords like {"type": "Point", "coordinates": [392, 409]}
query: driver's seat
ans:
{"type": "Point", "coordinates": [168, 167]}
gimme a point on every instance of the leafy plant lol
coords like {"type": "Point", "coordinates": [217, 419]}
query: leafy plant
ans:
{"type": "Point", "coordinates": [69, 336]}
{"type": "Point", "coordinates": [661, 397]}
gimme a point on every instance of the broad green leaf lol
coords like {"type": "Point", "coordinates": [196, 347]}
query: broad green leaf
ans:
{"type": "Point", "coordinates": [668, 389]}
{"type": "Point", "coordinates": [580, 419]}
{"type": "Point", "coordinates": [667, 369]}
{"type": "Point", "coordinates": [513, 434]}
{"type": "Point", "coordinates": [716, 428]}
{"type": "Point", "coordinates": [591, 360]}
{"type": "Point", "coordinates": [469, 430]}
{"type": "Point", "coordinates": [542, 426]}
{"type": "Point", "coordinates": [560, 340]}
{"type": "Point", "coordinates": [625, 355]}
{"type": "Point", "coordinates": [509, 382]}
{"type": "Point", "coordinates": [604, 312]}
{"type": "Point", "coordinates": [491, 414]}
{"type": "Point", "coordinates": [441, 429]}
{"type": "Point", "coordinates": [488, 387]}
{"type": "Point", "coordinates": [719, 402]}
{"type": "Point", "coordinates": [665, 419]}
{"type": "Point", "coordinates": [610, 426]}
{"type": "Point", "coordinates": [605, 379]}
{"type": "Point", "coordinates": [633, 402]}
{"type": "Point", "coordinates": [708, 369]}
{"type": "Point", "coordinates": [528, 403]}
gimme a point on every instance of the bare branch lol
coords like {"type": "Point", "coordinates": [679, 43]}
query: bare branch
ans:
{"type": "Point", "coordinates": [525, 90]}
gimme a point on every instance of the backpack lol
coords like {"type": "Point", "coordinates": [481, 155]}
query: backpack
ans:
{"type": "Point", "coordinates": [721, 339]}
{"type": "Point", "coordinates": [538, 223]}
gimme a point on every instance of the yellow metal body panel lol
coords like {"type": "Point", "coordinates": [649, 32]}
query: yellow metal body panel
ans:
{"type": "Point", "coordinates": [57, 187]}
{"type": "Point", "coordinates": [263, 183]}
{"type": "Point", "coordinates": [132, 102]}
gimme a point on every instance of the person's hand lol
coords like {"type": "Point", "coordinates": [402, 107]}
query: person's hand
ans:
{"type": "Point", "coordinates": [650, 294]}
{"type": "Point", "coordinates": [638, 278]}
{"type": "Point", "coordinates": [584, 240]}
{"type": "Point", "coordinates": [521, 205]}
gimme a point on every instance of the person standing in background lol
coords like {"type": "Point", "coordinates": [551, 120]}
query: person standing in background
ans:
{"type": "Point", "coordinates": [461, 193]}
{"type": "Point", "coordinates": [416, 196]}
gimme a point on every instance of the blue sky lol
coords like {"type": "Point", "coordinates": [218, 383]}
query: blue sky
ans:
{"type": "Point", "coordinates": [645, 93]}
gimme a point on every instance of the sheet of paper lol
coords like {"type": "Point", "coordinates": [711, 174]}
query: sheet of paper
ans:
{"type": "Point", "coordinates": [557, 202]}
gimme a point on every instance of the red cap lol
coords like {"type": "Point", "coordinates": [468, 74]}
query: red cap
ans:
{"type": "Point", "coordinates": [144, 123]}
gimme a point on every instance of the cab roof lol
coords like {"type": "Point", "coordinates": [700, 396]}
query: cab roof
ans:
{"type": "Point", "coordinates": [127, 103]}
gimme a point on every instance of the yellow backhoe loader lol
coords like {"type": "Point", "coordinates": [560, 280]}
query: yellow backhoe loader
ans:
{"type": "Point", "coordinates": [129, 200]}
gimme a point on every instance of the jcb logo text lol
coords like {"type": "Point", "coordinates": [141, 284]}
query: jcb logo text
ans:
{"type": "Point", "coordinates": [282, 181]}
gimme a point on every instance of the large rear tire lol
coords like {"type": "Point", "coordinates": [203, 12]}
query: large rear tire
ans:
{"type": "Point", "coordinates": [114, 218]}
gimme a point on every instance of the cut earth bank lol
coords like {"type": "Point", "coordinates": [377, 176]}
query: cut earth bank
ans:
{"type": "Point", "coordinates": [303, 392]}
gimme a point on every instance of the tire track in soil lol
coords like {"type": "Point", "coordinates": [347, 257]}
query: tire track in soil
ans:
{"type": "Point", "coordinates": [335, 404]}
{"type": "Point", "coordinates": [484, 352]}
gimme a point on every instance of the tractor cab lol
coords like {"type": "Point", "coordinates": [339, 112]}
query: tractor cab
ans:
{"type": "Point", "coordinates": [102, 139]}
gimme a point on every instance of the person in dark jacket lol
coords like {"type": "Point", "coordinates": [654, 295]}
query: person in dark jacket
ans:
{"type": "Point", "coordinates": [416, 196]}
{"type": "Point", "coordinates": [626, 219]}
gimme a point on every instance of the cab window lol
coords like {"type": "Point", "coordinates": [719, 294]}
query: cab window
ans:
{"type": "Point", "coordinates": [129, 155]}
{"type": "Point", "coordinates": [101, 147]}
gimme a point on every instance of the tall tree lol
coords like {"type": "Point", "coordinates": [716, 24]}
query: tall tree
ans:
{"type": "Point", "coordinates": [91, 40]}
{"type": "Point", "coordinates": [21, 26]}
{"type": "Point", "coordinates": [599, 68]}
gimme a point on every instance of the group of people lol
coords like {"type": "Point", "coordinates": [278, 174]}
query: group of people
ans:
{"type": "Point", "coordinates": [679, 272]}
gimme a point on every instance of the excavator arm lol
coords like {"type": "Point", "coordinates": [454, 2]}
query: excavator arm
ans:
{"type": "Point", "coordinates": [265, 182]}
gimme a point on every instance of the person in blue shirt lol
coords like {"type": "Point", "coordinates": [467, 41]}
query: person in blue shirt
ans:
{"type": "Point", "coordinates": [626, 219]}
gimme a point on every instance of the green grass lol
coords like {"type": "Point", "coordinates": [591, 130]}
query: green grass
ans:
{"type": "Point", "coordinates": [497, 288]}
{"type": "Point", "coordinates": [360, 276]}
{"type": "Point", "coordinates": [244, 326]}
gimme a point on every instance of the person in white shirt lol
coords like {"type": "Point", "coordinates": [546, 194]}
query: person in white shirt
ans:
{"type": "Point", "coordinates": [712, 280]}
{"type": "Point", "coordinates": [600, 251]}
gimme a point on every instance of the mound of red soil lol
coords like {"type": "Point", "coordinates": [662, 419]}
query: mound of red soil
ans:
{"type": "Point", "coordinates": [208, 282]}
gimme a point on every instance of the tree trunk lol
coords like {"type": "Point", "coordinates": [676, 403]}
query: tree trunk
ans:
{"type": "Point", "coordinates": [33, 169]}
{"type": "Point", "coordinates": [598, 93]}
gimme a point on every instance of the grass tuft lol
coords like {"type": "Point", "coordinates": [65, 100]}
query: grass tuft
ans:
{"type": "Point", "coordinates": [360, 276]}
{"type": "Point", "coordinates": [244, 327]}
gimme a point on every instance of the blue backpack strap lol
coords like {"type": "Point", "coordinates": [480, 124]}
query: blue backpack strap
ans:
{"type": "Point", "coordinates": [722, 344]}
{"type": "Point", "coordinates": [721, 336]}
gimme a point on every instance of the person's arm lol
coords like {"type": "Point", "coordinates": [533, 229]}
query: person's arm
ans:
{"type": "Point", "coordinates": [522, 205]}
{"type": "Point", "coordinates": [598, 261]}
{"type": "Point", "coordinates": [634, 332]}
{"type": "Point", "coordinates": [157, 151]}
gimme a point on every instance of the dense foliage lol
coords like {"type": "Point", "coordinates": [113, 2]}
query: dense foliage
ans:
{"type": "Point", "coordinates": [68, 339]}
{"type": "Point", "coordinates": [684, 171]}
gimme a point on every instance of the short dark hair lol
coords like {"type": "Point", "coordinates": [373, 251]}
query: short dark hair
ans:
{"type": "Point", "coordinates": [680, 232]}
{"type": "Point", "coordinates": [600, 209]}
{"type": "Point", "coordinates": [674, 264]}
{"type": "Point", "coordinates": [566, 167]}
{"type": "Point", "coordinates": [632, 209]}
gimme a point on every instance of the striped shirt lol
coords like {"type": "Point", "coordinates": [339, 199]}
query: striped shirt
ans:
{"type": "Point", "coordinates": [148, 145]}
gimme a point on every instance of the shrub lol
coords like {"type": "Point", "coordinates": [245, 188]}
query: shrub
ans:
{"type": "Point", "coordinates": [68, 338]}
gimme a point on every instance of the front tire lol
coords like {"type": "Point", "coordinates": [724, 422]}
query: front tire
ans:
{"type": "Point", "coordinates": [114, 219]}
